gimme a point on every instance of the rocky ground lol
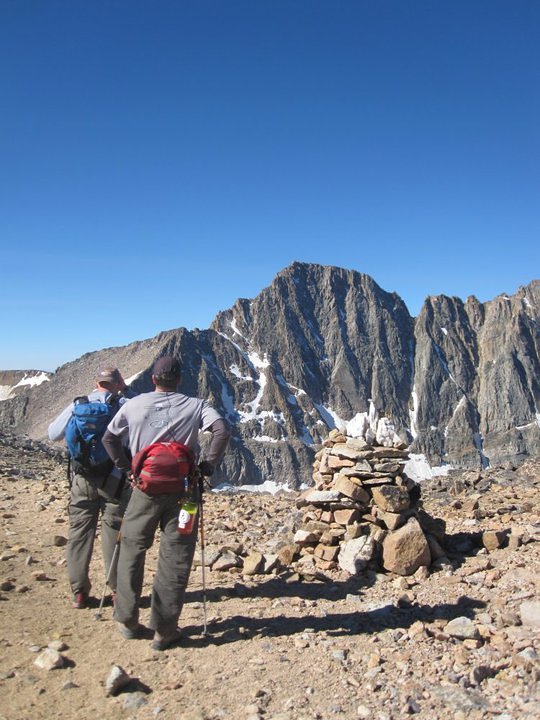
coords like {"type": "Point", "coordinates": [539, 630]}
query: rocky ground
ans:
{"type": "Point", "coordinates": [459, 641]}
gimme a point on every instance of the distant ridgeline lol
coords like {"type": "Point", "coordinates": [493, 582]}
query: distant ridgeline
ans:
{"type": "Point", "coordinates": [13, 382]}
{"type": "Point", "coordinates": [322, 346]}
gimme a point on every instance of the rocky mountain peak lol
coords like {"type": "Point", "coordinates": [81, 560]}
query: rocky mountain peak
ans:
{"type": "Point", "coordinates": [321, 344]}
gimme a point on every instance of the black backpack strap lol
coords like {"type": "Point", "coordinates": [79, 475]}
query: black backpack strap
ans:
{"type": "Point", "coordinates": [69, 473]}
{"type": "Point", "coordinates": [112, 399]}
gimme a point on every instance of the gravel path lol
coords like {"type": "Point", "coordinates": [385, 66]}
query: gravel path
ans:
{"type": "Point", "coordinates": [461, 643]}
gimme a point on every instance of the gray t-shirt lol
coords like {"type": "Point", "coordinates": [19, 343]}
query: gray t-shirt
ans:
{"type": "Point", "coordinates": [163, 417]}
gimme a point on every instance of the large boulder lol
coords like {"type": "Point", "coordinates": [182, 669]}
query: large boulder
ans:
{"type": "Point", "coordinates": [406, 549]}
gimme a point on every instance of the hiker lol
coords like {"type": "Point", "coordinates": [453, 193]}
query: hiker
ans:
{"type": "Point", "coordinates": [169, 417]}
{"type": "Point", "coordinates": [93, 491]}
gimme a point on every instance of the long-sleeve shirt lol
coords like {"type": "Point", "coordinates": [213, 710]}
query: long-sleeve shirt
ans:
{"type": "Point", "coordinates": [57, 428]}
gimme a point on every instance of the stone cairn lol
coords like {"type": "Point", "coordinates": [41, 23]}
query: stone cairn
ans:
{"type": "Point", "coordinates": [363, 511]}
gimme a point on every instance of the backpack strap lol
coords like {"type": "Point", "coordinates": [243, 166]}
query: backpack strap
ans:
{"type": "Point", "coordinates": [111, 399]}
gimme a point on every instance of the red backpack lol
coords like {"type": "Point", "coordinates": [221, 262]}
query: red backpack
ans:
{"type": "Point", "coordinates": [162, 467]}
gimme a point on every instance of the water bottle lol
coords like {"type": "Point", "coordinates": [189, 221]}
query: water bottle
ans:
{"type": "Point", "coordinates": [186, 516]}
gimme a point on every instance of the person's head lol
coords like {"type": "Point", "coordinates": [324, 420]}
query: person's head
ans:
{"type": "Point", "coordinates": [166, 373]}
{"type": "Point", "coordinates": [110, 379]}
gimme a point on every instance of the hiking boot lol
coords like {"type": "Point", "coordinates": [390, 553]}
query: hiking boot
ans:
{"type": "Point", "coordinates": [162, 642]}
{"type": "Point", "coordinates": [80, 600]}
{"type": "Point", "coordinates": [130, 632]}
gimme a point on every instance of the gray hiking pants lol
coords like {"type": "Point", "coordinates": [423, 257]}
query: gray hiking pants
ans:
{"type": "Point", "coordinates": [143, 516]}
{"type": "Point", "coordinates": [85, 506]}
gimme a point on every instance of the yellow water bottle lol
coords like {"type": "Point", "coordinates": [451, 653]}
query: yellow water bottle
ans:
{"type": "Point", "coordinates": [186, 516]}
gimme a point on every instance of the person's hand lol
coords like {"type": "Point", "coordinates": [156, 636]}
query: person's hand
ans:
{"type": "Point", "coordinates": [206, 468]}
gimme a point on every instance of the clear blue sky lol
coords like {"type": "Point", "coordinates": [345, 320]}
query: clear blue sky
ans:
{"type": "Point", "coordinates": [160, 159]}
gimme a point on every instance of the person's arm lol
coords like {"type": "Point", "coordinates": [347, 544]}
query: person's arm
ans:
{"type": "Point", "coordinates": [116, 451]}
{"type": "Point", "coordinates": [220, 438]}
{"type": "Point", "coordinates": [126, 394]}
{"type": "Point", "coordinates": [56, 430]}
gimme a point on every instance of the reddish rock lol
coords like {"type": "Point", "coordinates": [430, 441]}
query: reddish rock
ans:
{"type": "Point", "coordinates": [406, 549]}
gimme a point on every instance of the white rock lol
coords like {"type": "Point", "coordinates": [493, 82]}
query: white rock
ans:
{"type": "Point", "coordinates": [226, 561]}
{"type": "Point", "coordinates": [116, 680]}
{"type": "Point", "coordinates": [461, 627]}
{"type": "Point", "coordinates": [530, 613]}
{"type": "Point", "coordinates": [321, 496]}
{"type": "Point", "coordinates": [362, 711]}
{"type": "Point", "coordinates": [355, 554]}
{"type": "Point", "coordinates": [358, 426]}
{"type": "Point", "coordinates": [270, 562]}
{"type": "Point", "coordinates": [49, 659]}
{"type": "Point", "coordinates": [302, 537]}
{"type": "Point", "coordinates": [386, 433]}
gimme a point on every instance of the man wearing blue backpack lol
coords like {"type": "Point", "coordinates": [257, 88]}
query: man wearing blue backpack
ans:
{"type": "Point", "coordinates": [96, 487]}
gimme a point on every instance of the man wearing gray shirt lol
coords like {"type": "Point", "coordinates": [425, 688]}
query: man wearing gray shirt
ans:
{"type": "Point", "coordinates": [161, 416]}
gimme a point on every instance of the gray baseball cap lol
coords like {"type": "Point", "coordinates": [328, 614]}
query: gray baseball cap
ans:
{"type": "Point", "coordinates": [108, 374]}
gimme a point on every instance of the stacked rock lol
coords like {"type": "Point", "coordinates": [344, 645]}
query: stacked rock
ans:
{"type": "Point", "coordinates": [364, 511]}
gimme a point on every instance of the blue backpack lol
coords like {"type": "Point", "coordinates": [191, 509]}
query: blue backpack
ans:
{"type": "Point", "coordinates": [84, 432]}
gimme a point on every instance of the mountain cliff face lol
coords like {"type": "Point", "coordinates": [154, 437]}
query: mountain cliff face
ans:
{"type": "Point", "coordinates": [321, 344]}
{"type": "Point", "coordinates": [477, 379]}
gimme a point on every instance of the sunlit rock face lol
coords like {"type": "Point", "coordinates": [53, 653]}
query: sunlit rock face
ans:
{"type": "Point", "coordinates": [322, 346]}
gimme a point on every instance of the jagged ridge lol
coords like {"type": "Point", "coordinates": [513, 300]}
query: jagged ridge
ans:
{"type": "Point", "coordinates": [315, 347]}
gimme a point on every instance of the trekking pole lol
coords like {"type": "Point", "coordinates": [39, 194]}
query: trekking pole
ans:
{"type": "Point", "coordinates": [203, 567]}
{"type": "Point", "coordinates": [109, 573]}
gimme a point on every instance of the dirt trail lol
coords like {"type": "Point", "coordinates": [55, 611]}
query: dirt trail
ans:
{"type": "Point", "coordinates": [278, 649]}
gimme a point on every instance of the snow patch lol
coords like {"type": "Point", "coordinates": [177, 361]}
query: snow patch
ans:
{"type": "Point", "coordinates": [236, 331]}
{"type": "Point", "coordinates": [235, 370]}
{"type": "Point", "coordinates": [444, 363]}
{"type": "Point", "coordinates": [413, 414]}
{"type": "Point", "coordinates": [528, 425]}
{"type": "Point", "coordinates": [131, 379]}
{"type": "Point", "coordinates": [261, 363]}
{"type": "Point", "coordinates": [6, 391]}
{"type": "Point", "coordinates": [228, 401]}
{"type": "Point", "coordinates": [268, 486]}
{"type": "Point", "coordinates": [32, 380]}
{"type": "Point", "coordinates": [418, 468]}
{"type": "Point", "coordinates": [330, 418]}
{"type": "Point", "coordinates": [226, 397]}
